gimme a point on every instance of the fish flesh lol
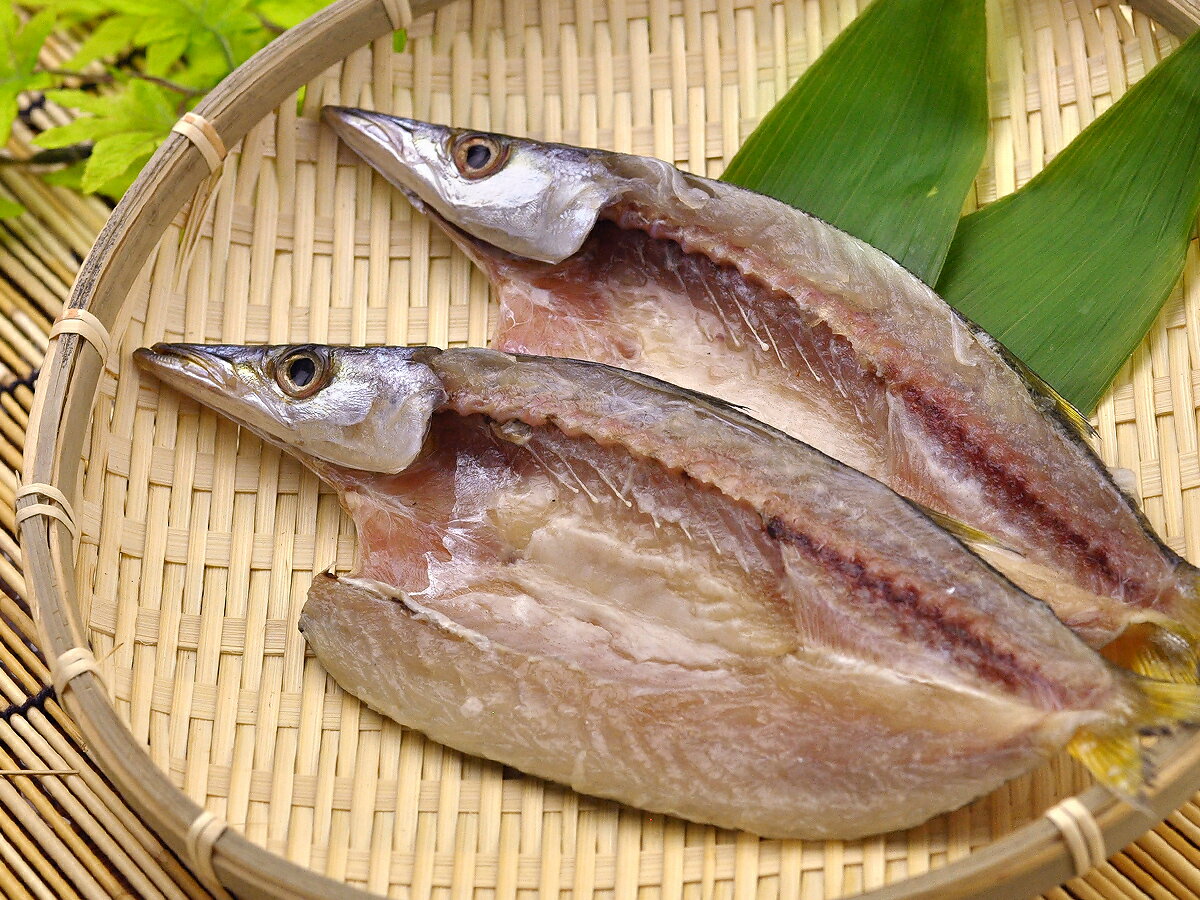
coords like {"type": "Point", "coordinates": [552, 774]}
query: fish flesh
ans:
{"type": "Point", "coordinates": [641, 592]}
{"type": "Point", "coordinates": [628, 261]}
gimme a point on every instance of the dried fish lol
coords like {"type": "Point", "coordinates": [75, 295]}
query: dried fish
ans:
{"type": "Point", "coordinates": [641, 592]}
{"type": "Point", "coordinates": [629, 261]}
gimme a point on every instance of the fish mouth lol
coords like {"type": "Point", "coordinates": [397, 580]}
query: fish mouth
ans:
{"type": "Point", "coordinates": [182, 365]}
{"type": "Point", "coordinates": [389, 144]}
{"type": "Point", "coordinates": [204, 372]}
{"type": "Point", "coordinates": [363, 130]}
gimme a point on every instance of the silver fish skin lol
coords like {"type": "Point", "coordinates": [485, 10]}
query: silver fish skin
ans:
{"type": "Point", "coordinates": [732, 293]}
{"type": "Point", "coordinates": [611, 582]}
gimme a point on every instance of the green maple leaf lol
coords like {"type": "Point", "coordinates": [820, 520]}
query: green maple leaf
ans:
{"type": "Point", "coordinates": [19, 48]}
{"type": "Point", "coordinates": [289, 13]}
{"type": "Point", "coordinates": [9, 208]}
{"type": "Point", "coordinates": [116, 160]}
{"type": "Point", "coordinates": [209, 33]}
{"type": "Point", "coordinates": [70, 176]}
{"type": "Point", "coordinates": [72, 12]}
{"type": "Point", "coordinates": [197, 41]}
{"type": "Point", "coordinates": [111, 37]}
{"type": "Point", "coordinates": [124, 129]}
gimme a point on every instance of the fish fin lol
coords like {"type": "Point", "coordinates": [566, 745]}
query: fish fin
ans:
{"type": "Point", "coordinates": [1073, 416]}
{"type": "Point", "coordinates": [1126, 480]}
{"type": "Point", "coordinates": [1113, 757]}
{"type": "Point", "coordinates": [968, 534]}
{"type": "Point", "coordinates": [1039, 386]}
{"type": "Point", "coordinates": [1165, 704]}
{"type": "Point", "coordinates": [1180, 618]}
{"type": "Point", "coordinates": [1156, 651]}
{"type": "Point", "coordinates": [1185, 615]}
{"type": "Point", "coordinates": [1177, 666]}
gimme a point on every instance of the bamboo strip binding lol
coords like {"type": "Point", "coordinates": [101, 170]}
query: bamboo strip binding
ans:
{"type": "Point", "coordinates": [62, 512]}
{"type": "Point", "coordinates": [1082, 834]}
{"type": "Point", "coordinates": [69, 665]}
{"type": "Point", "coordinates": [635, 119]}
{"type": "Point", "coordinates": [202, 835]}
{"type": "Point", "coordinates": [399, 13]}
{"type": "Point", "coordinates": [204, 136]}
{"type": "Point", "coordinates": [75, 320]}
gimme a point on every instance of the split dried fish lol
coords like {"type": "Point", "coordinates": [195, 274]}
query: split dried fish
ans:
{"type": "Point", "coordinates": [611, 582]}
{"type": "Point", "coordinates": [629, 261]}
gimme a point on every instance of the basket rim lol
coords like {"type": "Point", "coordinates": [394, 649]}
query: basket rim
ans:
{"type": "Point", "coordinates": [1031, 859]}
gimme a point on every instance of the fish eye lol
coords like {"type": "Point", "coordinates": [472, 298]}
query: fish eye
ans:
{"type": "Point", "coordinates": [478, 155]}
{"type": "Point", "coordinates": [301, 373]}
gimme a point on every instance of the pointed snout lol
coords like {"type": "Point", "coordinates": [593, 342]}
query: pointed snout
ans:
{"type": "Point", "coordinates": [337, 115]}
{"type": "Point", "coordinates": [174, 363]}
{"type": "Point", "coordinates": [208, 373]}
{"type": "Point", "coordinates": [353, 125]}
{"type": "Point", "coordinates": [408, 153]}
{"type": "Point", "coordinates": [177, 363]}
{"type": "Point", "coordinates": [521, 197]}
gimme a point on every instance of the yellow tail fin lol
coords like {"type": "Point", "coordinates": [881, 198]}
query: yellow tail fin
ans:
{"type": "Point", "coordinates": [1155, 651]}
{"type": "Point", "coordinates": [1113, 754]}
{"type": "Point", "coordinates": [1165, 704]}
{"type": "Point", "coordinates": [1114, 759]}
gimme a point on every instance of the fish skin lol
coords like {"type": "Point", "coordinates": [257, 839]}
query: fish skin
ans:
{"type": "Point", "coordinates": [611, 582]}
{"type": "Point", "coordinates": [773, 760]}
{"type": "Point", "coordinates": [732, 293]}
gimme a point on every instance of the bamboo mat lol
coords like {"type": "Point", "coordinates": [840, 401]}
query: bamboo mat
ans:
{"type": "Point", "coordinates": [66, 834]}
{"type": "Point", "coordinates": [1054, 67]}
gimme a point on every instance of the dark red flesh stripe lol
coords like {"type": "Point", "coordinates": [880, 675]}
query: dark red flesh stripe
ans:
{"type": "Point", "coordinates": [1002, 483]}
{"type": "Point", "coordinates": [918, 617]}
{"type": "Point", "coordinates": [1007, 487]}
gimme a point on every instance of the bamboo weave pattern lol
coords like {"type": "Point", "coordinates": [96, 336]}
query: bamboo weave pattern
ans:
{"type": "Point", "coordinates": [195, 620]}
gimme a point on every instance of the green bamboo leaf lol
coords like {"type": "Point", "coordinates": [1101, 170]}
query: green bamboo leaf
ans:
{"type": "Point", "coordinates": [1070, 271]}
{"type": "Point", "coordinates": [885, 132]}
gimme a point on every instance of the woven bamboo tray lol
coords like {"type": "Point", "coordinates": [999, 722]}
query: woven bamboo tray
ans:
{"type": "Point", "coordinates": [197, 543]}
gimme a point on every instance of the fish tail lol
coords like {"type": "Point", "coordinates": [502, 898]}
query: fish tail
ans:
{"type": "Point", "coordinates": [1165, 704]}
{"type": "Point", "coordinates": [1113, 752]}
{"type": "Point", "coordinates": [1169, 654]}
{"type": "Point", "coordinates": [1163, 651]}
{"type": "Point", "coordinates": [1172, 652]}
{"type": "Point", "coordinates": [1187, 610]}
{"type": "Point", "coordinates": [1114, 757]}
{"type": "Point", "coordinates": [1165, 663]}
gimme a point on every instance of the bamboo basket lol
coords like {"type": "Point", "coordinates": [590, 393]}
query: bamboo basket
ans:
{"type": "Point", "coordinates": [196, 543]}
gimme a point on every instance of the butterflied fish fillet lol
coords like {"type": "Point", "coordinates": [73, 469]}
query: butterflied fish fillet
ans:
{"type": "Point", "coordinates": [628, 261]}
{"type": "Point", "coordinates": [611, 582]}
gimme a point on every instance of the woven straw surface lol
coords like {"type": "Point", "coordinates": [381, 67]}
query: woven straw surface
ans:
{"type": "Point", "coordinates": [199, 542]}
{"type": "Point", "coordinates": [64, 831]}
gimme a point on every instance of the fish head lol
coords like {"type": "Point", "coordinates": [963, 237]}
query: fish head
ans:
{"type": "Point", "coordinates": [534, 200]}
{"type": "Point", "coordinates": [358, 408]}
